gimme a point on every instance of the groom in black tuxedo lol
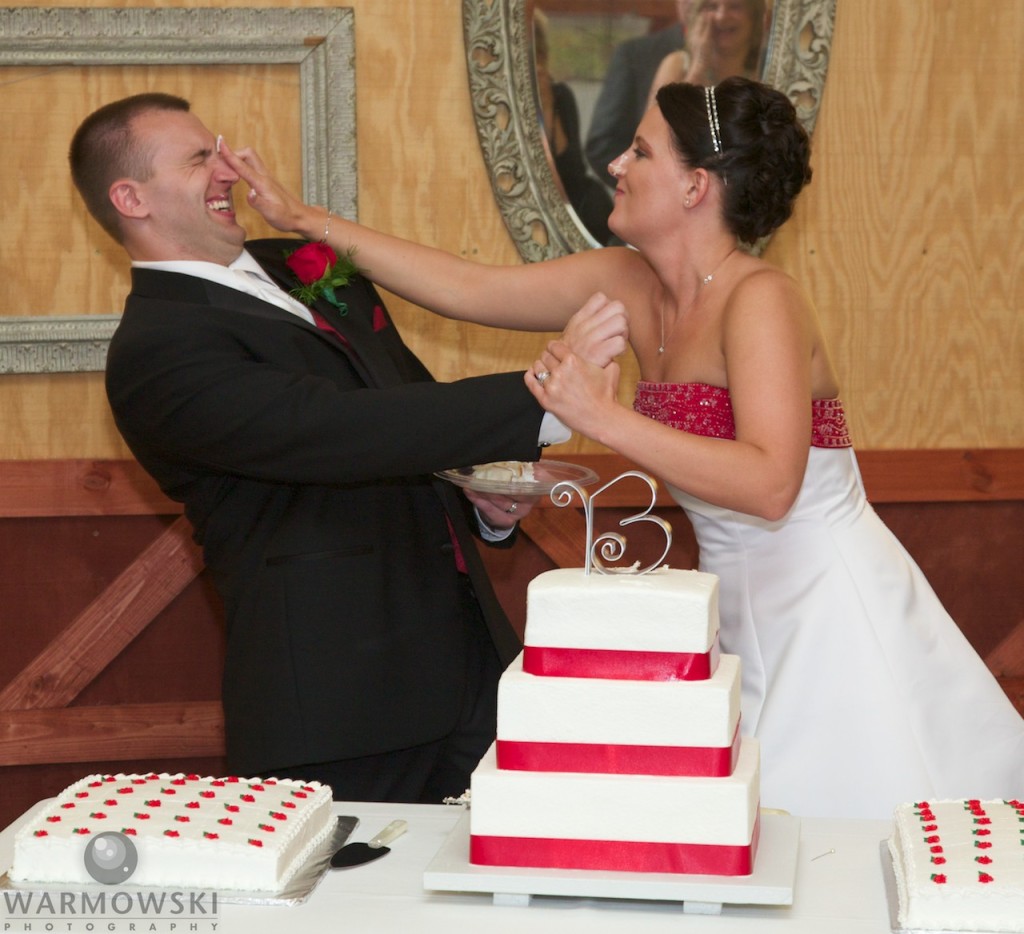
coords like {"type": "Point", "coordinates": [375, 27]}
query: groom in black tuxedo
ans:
{"type": "Point", "coordinates": [364, 641]}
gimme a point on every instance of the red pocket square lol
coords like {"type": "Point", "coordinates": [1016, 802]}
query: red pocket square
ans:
{"type": "Point", "coordinates": [380, 320]}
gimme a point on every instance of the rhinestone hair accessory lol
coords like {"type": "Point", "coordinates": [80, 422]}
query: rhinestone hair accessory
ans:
{"type": "Point", "coordinates": [611, 546]}
{"type": "Point", "coordinates": [711, 102]}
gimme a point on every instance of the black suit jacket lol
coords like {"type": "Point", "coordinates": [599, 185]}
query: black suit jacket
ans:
{"type": "Point", "coordinates": [305, 467]}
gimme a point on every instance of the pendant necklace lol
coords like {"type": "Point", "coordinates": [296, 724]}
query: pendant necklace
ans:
{"type": "Point", "coordinates": [705, 280]}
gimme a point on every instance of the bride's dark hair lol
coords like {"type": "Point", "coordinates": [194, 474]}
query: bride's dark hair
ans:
{"type": "Point", "coordinates": [764, 157]}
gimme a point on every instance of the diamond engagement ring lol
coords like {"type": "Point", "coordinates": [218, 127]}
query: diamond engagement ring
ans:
{"type": "Point", "coordinates": [511, 509]}
{"type": "Point", "coordinates": [541, 376]}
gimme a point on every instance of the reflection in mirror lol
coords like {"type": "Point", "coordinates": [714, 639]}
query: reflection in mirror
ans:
{"type": "Point", "coordinates": [559, 86]}
{"type": "Point", "coordinates": [613, 63]}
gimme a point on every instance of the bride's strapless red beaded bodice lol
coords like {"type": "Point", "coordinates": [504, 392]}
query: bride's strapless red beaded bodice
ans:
{"type": "Point", "coordinates": [702, 409]}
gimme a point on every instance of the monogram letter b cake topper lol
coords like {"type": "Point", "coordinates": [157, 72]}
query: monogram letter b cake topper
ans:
{"type": "Point", "coordinates": [611, 546]}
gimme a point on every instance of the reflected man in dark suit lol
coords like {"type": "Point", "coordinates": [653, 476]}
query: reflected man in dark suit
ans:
{"type": "Point", "coordinates": [624, 93]}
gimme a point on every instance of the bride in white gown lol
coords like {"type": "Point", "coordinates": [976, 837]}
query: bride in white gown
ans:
{"type": "Point", "coordinates": [862, 689]}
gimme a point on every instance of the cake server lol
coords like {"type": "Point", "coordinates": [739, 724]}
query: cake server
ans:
{"type": "Point", "coordinates": [355, 854]}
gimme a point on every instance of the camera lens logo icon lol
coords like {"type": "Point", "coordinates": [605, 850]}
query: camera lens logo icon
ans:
{"type": "Point", "coordinates": [111, 858]}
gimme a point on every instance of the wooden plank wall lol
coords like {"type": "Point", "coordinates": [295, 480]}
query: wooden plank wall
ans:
{"type": "Point", "coordinates": [908, 237]}
{"type": "Point", "coordinates": [115, 640]}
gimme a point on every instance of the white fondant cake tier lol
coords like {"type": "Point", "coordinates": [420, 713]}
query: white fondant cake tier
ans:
{"type": "Point", "coordinates": [667, 610]}
{"type": "Point", "coordinates": [189, 832]}
{"type": "Point", "coordinates": [671, 727]}
{"type": "Point", "coordinates": [959, 865]}
{"type": "Point", "coordinates": [608, 821]}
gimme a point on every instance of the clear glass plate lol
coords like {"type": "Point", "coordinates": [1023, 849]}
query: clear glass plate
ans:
{"type": "Point", "coordinates": [547, 474]}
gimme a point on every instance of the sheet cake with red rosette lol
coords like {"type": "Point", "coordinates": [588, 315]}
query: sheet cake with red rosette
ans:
{"type": "Point", "coordinates": [189, 832]}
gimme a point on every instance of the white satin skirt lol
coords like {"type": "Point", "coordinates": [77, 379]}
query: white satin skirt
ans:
{"type": "Point", "coordinates": [863, 691]}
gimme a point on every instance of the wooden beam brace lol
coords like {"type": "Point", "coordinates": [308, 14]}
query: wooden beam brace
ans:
{"type": "Point", "coordinates": [927, 476]}
{"type": "Point", "coordinates": [187, 729]}
{"type": "Point", "coordinates": [45, 488]}
{"type": "Point", "coordinates": [56, 676]}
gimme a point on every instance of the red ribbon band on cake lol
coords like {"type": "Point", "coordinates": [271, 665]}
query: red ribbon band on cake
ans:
{"type": "Point", "coordinates": [552, 662]}
{"type": "Point", "coordinates": [619, 759]}
{"type": "Point", "coordinates": [615, 855]}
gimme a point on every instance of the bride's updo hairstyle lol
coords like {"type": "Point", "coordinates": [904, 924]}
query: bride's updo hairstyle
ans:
{"type": "Point", "coordinates": [747, 134]}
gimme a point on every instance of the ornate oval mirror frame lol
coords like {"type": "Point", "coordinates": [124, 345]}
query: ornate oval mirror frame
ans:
{"type": "Point", "coordinates": [501, 81]}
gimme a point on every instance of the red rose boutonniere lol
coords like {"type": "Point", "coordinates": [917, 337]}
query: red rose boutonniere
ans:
{"type": "Point", "coordinates": [320, 272]}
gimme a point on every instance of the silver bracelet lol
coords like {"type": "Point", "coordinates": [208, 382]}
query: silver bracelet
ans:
{"type": "Point", "coordinates": [327, 227]}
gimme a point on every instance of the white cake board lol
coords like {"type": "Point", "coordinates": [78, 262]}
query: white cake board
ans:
{"type": "Point", "coordinates": [771, 883]}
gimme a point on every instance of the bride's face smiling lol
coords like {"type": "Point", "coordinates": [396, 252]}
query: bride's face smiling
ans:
{"type": "Point", "coordinates": [650, 181]}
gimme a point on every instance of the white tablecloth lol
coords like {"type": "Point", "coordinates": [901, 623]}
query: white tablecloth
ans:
{"type": "Point", "coordinates": [839, 890]}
